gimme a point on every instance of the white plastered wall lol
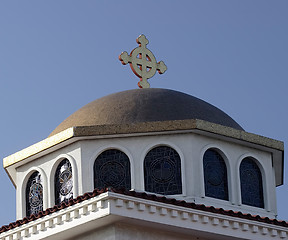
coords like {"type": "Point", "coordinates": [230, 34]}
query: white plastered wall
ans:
{"type": "Point", "coordinates": [191, 148]}
{"type": "Point", "coordinates": [47, 165]}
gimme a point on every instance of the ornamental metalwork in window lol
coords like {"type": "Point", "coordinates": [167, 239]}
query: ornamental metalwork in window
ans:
{"type": "Point", "coordinates": [63, 182]}
{"type": "Point", "coordinates": [34, 194]}
{"type": "Point", "coordinates": [215, 175]}
{"type": "Point", "coordinates": [251, 183]}
{"type": "Point", "coordinates": [162, 171]}
{"type": "Point", "coordinates": [112, 169]}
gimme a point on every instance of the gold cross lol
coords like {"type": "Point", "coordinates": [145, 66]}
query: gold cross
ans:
{"type": "Point", "coordinates": [142, 62]}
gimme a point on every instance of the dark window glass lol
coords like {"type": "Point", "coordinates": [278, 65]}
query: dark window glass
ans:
{"type": "Point", "coordinates": [34, 194]}
{"type": "Point", "coordinates": [63, 182]}
{"type": "Point", "coordinates": [112, 169]}
{"type": "Point", "coordinates": [215, 175]}
{"type": "Point", "coordinates": [251, 183]}
{"type": "Point", "coordinates": [162, 171]}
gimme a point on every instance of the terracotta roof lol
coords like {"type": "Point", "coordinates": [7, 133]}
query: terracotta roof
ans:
{"type": "Point", "coordinates": [143, 195]}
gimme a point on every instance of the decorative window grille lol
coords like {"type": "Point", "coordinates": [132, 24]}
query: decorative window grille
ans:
{"type": "Point", "coordinates": [63, 182]}
{"type": "Point", "coordinates": [162, 171]}
{"type": "Point", "coordinates": [251, 183]}
{"type": "Point", "coordinates": [215, 175]}
{"type": "Point", "coordinates": [112, 169]}
{"type": "Point", "coordinates": [34, 194]}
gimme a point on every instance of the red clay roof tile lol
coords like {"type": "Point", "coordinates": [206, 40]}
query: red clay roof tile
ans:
{"type": "Point", "coordinates": [143, 195]}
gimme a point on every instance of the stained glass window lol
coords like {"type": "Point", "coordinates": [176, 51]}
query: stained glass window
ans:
{"type": "Point", "coordinates": [162, 171]}
{"type": "Point", "coordinates": [63, 182]}
{"type": "Point", "coordinates": [251, 183]}
{"type": "Point", "coordinates": [112, 169]}
{"type": "Point", "coordinates": [215, 175]}
{"type": "Point", "coordinates": [34, 194]}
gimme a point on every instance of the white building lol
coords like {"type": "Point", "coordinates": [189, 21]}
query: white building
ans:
{"type": "Point", "coordinates": [134, 148]}
{"type": "Point", "coordinates": [147, 164]}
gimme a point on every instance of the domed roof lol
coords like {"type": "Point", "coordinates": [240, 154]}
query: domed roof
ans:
{"type": "Point", "coordinates": [145, 105]}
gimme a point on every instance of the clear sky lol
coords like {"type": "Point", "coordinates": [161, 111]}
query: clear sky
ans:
{"type": "Point", "coordinates": [57, 56]}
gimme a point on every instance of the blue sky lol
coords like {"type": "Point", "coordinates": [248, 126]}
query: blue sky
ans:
{"type": "Point", "coordinates": [57, 56]}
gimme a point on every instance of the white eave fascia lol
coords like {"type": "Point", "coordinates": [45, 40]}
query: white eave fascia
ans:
{"type": "Point", "coordinates": [110, 207]}
{"type": "Point", "coordinates": [73, 134]}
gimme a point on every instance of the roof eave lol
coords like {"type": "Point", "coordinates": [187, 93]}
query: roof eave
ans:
{"type": "Point", "coordinates": [77, 133]}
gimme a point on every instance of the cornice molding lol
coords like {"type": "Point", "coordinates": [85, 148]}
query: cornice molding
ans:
{"type": "Point", "coordinates": [80, 132]}
{"type": "Point", "coordinates": [110, 207]}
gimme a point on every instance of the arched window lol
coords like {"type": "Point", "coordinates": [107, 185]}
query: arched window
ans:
{"type": "Point", "coordinates": [162, 171]}
{"type": "Point", "coordinates": [63, 182]}
{"type": "Point", "coordinates": [112, 169]}
{"type": "Point", "coordinates": [251, 183]}
{"type": "Point", "coordinates": [34, 194]}
{"type": "Point", "coordinates": [215, 175]}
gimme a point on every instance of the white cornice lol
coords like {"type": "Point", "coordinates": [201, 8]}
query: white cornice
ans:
{"type": "Point", "coordinates": [111, 207]}
{"type": "Point", "coordinates": [141, 128]}
{"type": "Point", "coordinates": [70, 135]}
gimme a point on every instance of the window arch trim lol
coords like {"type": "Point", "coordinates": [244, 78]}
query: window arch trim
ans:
{"type": "Point", "coordinates": [99, 151]}
{"type": "Point", "coordinates": [227, 160]}
{"type": "Point", "coordinates": [263, 168]}
{"type": "Point", "coordinates": [262, 183]}
{"type": "Point", "coordinates": [128, 171]}
{"type": "Point", "coordinates": [57, 161]}
{"type": "Point", "coordinates": [226, 184]}
{"type": "Point", "coordinates": [63, 182]}
{"type": "Point", "coordinates": [24, 185]}
{"type": "Point", "coordinates": [158, 143]}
